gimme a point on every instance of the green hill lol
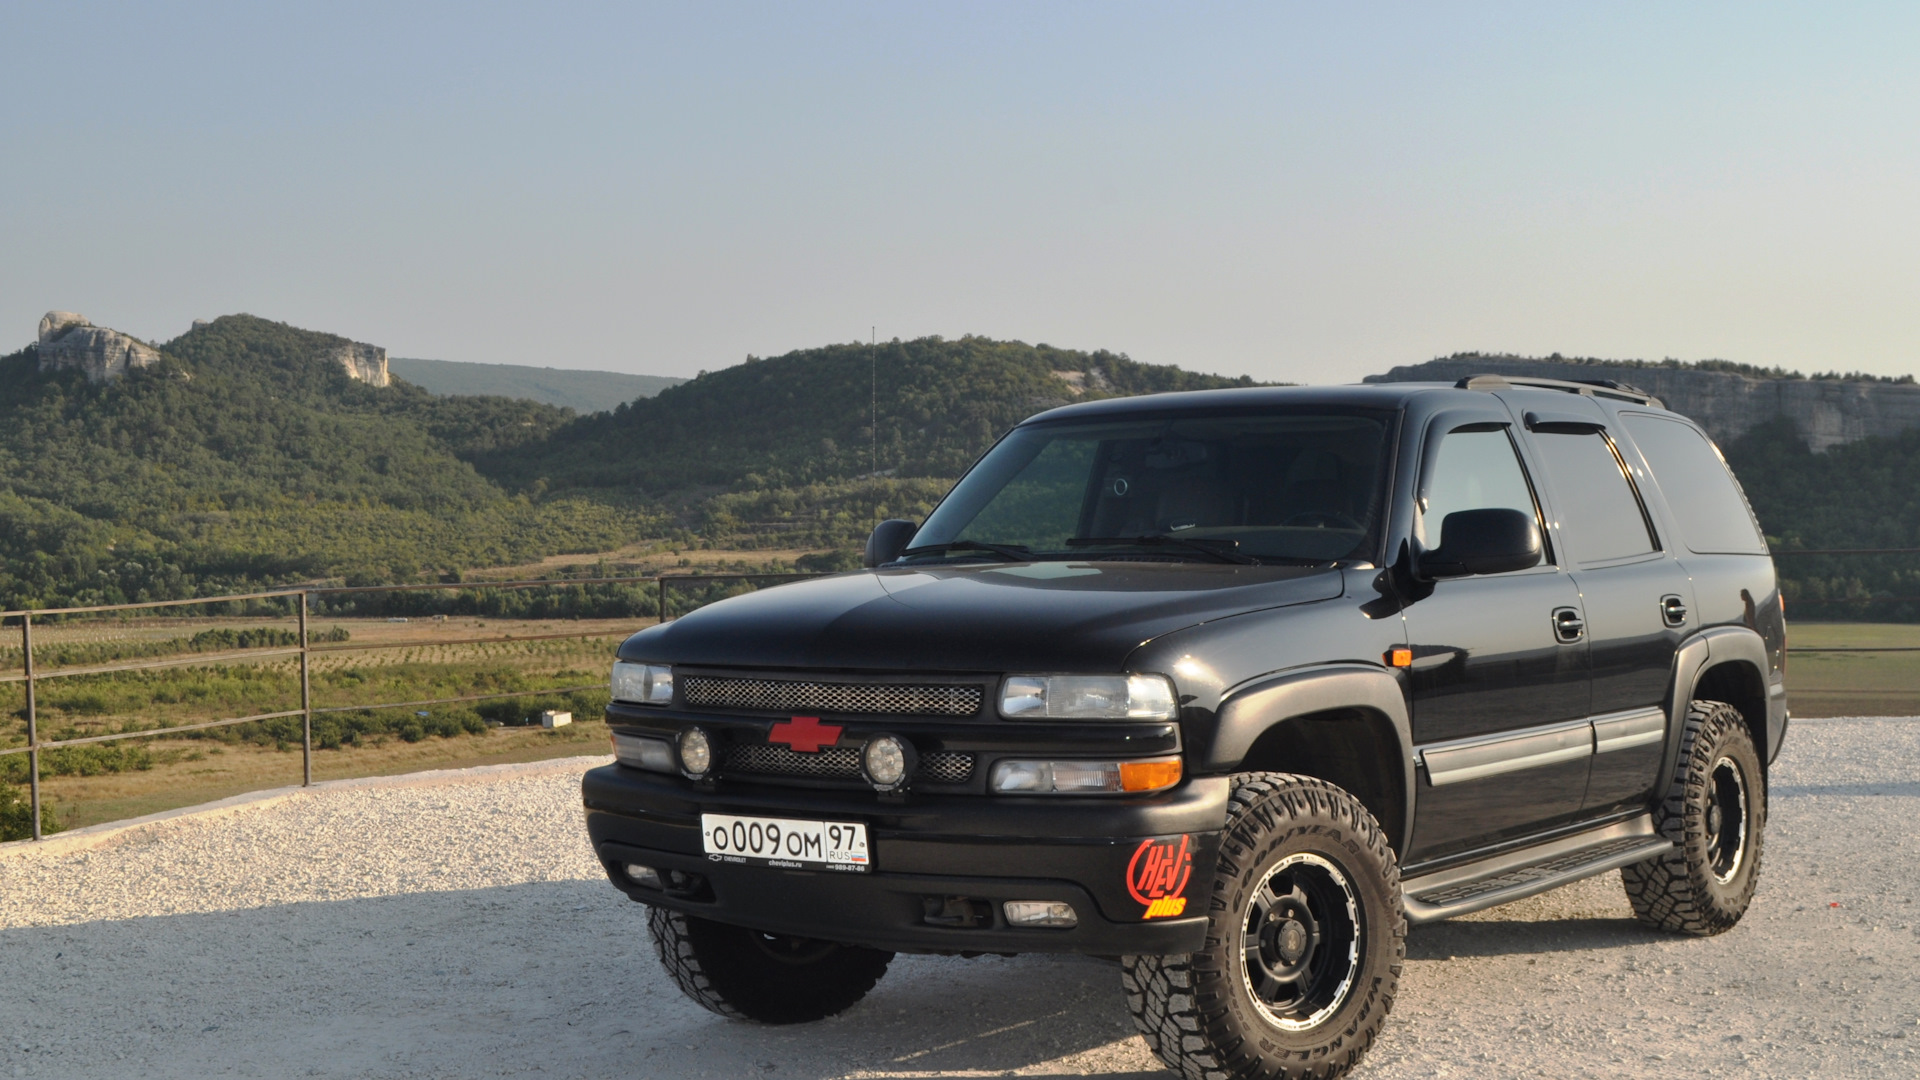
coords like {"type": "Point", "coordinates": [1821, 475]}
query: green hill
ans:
{"type": "Point", "coordinates": [582, 391]}
{"type": "Point", "coordinates": [248, 458]}
{"type": "Point", "coordinates": [806, 417]}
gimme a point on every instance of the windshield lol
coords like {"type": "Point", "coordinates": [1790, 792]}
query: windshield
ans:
{"type": "Point", "coordinates": [1277, 487]}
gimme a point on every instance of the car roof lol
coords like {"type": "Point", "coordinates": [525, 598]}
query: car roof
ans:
{"type": "Point", "coordinates": [1357, 396]}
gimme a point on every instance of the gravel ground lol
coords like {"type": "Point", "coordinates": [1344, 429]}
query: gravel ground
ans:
{"type": "Point", "coordinates": [456, 925]}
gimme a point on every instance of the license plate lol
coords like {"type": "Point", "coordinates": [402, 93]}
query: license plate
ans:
{"type": "Point", "coordinates": [786, 842]}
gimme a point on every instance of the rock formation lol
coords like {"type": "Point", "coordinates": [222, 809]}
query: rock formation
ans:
{"type": "Point", "coordinates": [1828, 412]}
{"type": "Point", "coordinates": [368, 363]}
{"type": "Point", "coordinates": [68, 340]}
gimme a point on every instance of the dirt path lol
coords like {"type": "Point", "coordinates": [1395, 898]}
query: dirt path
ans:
{"type": "Point", "coordinates": [458, 927]}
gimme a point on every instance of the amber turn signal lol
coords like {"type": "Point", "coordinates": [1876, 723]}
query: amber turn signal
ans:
{"type": "Point", "coordinates": [1149, 775]}
{"type": "Point", "coordinates": [1399, 657]}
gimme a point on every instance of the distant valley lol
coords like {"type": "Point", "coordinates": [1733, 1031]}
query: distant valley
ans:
{"type": "Point", "coordinates": [582, 391]}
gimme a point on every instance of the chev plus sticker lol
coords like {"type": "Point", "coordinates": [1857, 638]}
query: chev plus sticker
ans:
{"type": "Point", "coordinates": [1157, 876]}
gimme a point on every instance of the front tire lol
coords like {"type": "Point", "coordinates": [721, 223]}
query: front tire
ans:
{"type": "Point", "coordinates": [1305, 942]}
{"type": "Point", "coordinates": [769, 978]}
{"type": "Point", "coordinates": [1714, 811]}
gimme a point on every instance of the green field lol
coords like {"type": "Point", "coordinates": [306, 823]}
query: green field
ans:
{"type": "Point", "coordinates": [1853, 683]}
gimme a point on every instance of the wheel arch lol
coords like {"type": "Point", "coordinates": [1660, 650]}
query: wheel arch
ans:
{"type": "Point", "coordinates": [1727, 664]}
{"type": "Point", "coordinates": [1345, 724]}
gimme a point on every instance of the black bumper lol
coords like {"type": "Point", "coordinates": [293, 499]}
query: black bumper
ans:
{"type": "Point", "coordinates": [1081, 851]}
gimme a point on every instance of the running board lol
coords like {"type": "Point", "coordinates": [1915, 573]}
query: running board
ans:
{"type": "Point", "coordinates": [1515, 875]}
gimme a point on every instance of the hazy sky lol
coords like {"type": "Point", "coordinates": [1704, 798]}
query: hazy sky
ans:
{"type": "Point", "coordinates": [1301, 192]}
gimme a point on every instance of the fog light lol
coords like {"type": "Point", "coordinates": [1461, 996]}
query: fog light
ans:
{"type": "Point", "coordinates": [696, 753]}
{"type": "Point", "coordinates": [1040, 913]}
{"type": "Point", "coordinates": [888, 762]}
{"type": "Point", "coordinates": [644, 875]}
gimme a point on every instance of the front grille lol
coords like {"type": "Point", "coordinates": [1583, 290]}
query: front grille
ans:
{"type": "Point", "coordinates": [772, 695]}
{"type": "Point", "coordinates": [839, 763]}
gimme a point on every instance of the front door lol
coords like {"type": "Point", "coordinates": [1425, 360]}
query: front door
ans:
{"type": "Point", "coordinates": [1499, 677]}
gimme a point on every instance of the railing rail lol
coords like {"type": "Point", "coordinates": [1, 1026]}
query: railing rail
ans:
{"type": "Point", "coordinates": [306, 649]}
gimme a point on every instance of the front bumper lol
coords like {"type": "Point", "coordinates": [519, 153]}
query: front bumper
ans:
{"type": "Point", "coordinates": [994, 849]}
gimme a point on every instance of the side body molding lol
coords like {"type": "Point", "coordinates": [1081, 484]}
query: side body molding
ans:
{"type": "Point", "coordinates": [1250, 712]}
{"type": "Point", "coordinates": [1716, 645]}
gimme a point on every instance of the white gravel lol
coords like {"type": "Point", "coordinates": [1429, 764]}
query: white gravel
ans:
{"type": "Point", "coordinates": [456, 925]}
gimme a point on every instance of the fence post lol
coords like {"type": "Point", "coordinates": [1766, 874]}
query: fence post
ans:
{"type": "Point", "coordinates": [662, 581]}
{"type": "Point", "coordinates": [33, 725]}
{"type": "Point", "coordinates": [306, 700]}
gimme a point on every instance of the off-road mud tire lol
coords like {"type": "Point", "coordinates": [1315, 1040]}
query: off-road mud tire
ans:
{"type": "Point", "coordinates": [746, 975]}
{"type": "Point", "coordinates": [1679, 891]}
{"type": "Point", "coordinates": [1198, 1012]}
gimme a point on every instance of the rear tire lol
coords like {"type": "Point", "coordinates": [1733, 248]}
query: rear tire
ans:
{"type": "Point", "coordinates": [1715, 811]}
{"type": "Point", "coordinates": [768, 978]}
{"type": "Point", "coordinates": [1305, 942]}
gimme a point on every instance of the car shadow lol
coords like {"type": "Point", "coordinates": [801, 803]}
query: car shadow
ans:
{"type": "Point", "coordinates": [553, 978]}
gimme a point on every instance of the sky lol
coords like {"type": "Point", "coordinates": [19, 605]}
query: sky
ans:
{"type": "Point", "coordinates": [1299, 192]}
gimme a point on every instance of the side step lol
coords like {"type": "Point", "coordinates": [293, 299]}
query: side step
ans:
{"type": "Point", "coordinates": [1515, 875]}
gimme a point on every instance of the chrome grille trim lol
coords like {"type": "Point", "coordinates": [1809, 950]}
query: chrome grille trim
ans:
{"type": "Point", "coordinates": [838, 763]}
{"type": "Point", "coordinates": [775, 695]}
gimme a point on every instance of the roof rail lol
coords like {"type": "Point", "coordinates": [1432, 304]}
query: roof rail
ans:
{"type": "Point", "coordinates": [1606, 388]}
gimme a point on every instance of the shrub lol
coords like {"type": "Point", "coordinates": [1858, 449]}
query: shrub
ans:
{"type": "Point", "coordinates": [16, 815]}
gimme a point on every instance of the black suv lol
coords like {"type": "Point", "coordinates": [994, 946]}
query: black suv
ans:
{"type": "Point", "coordinates": [1233, 685]}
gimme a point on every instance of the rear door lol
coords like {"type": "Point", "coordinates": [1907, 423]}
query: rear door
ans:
{"type": "Point", "coordinates": [1637, 597]}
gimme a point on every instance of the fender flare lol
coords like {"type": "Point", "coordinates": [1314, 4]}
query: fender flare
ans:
{"type": "Point", "coordinates": [1262, 704]}
{"type": "Point", "coordinates": [1710, 647]}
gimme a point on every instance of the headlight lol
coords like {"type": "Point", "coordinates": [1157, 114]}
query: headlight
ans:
{"type": "Point", "coordinates": [643, 684]}
{"type": "Point", "coordinates": [1083, 777]}
{"type": "Point", "coordinates": [1087, 697]}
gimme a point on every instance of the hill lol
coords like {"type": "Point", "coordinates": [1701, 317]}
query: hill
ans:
{"type": "Point", "coordinates": [1728, 399]}
{"type": "Point", "coordinates": [806, 417]}
{"type": "Point", "coordinates": [582, 391]}
{"type": "Point", "coordinates": [248, 456]}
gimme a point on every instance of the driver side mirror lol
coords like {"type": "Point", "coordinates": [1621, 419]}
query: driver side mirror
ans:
{"type": "Point", "coordinates": [1489, 541]}
{"type": "Point", "coordinates": [887, 541]}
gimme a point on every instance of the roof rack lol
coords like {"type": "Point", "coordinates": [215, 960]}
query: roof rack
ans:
{"type": "Point", "coordinates": [1606, 388]}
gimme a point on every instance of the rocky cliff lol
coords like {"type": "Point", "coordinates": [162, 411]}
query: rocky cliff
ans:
{"type": "Point", "coordinates": [1828, 412]}
{"type": "Point", "coordinates": [368, 363]}
{"type": "Point", "coordinates": [68, 340]}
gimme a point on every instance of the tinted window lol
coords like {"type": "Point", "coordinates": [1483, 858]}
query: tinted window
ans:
{"type": "Point", "coordinates": [1599, 514]}
{"type": "Point", "coordinates": [1279, 485]}
{"type": "Point", "coordinates": [1475, 470]}
{"type": "Point", "coordinates": [1712, 512]}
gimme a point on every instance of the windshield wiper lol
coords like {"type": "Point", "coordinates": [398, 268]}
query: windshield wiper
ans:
{"type": "Point", "coordinates": [1223, 550]}
{"type": "Point", "coordinates": [1009, 552]}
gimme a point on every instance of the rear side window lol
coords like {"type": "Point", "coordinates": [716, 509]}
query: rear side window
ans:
{"type": "Point", "coordinates": [1707, 501]}
{"type": "Point", "coordinates": [1599, 513]}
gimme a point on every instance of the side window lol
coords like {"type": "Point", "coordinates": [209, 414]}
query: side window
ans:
{"type": "Point", "coordinates": [1712, 512]}
{"type": "Point", "coordinates": [1474, 470]}
{"type": "Point", "coordinates": [1599, 512]}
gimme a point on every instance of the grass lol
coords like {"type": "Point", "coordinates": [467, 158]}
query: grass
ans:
{"type": "Point", "coordinates": [1853, 684]}
{"type": "Point", "coordinates": [409, 661]}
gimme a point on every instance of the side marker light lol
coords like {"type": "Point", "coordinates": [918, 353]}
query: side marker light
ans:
{"type": "Point", "coordinates": [1399, 657]}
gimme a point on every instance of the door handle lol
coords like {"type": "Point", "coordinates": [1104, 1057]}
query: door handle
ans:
{"type": "Point", "coordinates": [1673, 610]}
{"type": "Point", "coordinates": [1568, 626]}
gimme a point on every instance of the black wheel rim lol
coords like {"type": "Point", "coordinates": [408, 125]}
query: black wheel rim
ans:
{"type": "Point", "coordinates": [1726, 820]}
{"type": "Point", "coordinates": [1300, 947]}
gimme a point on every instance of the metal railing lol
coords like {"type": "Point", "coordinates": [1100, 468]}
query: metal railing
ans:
{"type": "Point", "coordinates": [305, 650]}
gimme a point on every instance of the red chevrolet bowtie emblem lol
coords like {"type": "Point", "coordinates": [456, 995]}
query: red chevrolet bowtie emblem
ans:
{"type": "Point", "coordinates": [805, 734]}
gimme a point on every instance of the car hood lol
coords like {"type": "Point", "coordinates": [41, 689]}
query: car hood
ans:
{"type": "Point", "coordinates": [1047, 616]}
